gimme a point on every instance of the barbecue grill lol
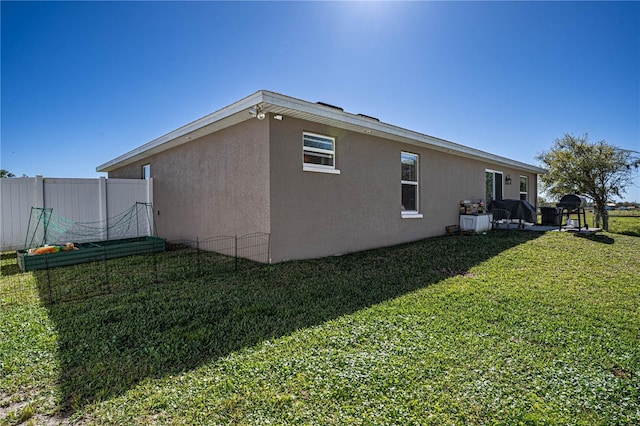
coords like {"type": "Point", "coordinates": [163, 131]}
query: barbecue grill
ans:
{"type": "Point", "coordinates": [573, 204]}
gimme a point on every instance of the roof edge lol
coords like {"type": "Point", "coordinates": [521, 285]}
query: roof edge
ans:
{"type": "Point", "coordinates": [386, 130]}
{"type": "Point", "coordinates": [242, 104]}
{"type": "Point", "coordinates": [272, 99]}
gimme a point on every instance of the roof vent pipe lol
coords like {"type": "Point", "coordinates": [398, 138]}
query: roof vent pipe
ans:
{"type": "Point", "coordinates": [330, 106]}
{"type": "Point", "coordinates": [369, 117]}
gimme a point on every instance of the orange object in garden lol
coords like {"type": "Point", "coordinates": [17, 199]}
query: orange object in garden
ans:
{"type": "Point", "coordinates": [52, 249]}
{"type": "Point", "coordinates": [46, 250]}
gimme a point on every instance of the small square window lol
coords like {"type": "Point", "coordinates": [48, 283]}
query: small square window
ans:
{"type": "Point", "coordinates": [318, 153]}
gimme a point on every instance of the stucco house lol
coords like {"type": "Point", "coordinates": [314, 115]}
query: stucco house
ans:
{"type": "Point", "coordinates": [320, 180]}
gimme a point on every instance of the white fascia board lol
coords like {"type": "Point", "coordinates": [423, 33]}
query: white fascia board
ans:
{"type": "Point", "coordinates": [419, 139]}
{"type": "Point", "coordinates": [313, 112]}
{"type": "Point", "coordinates": [156, 144]}
{"type": "Point", "coordinates": [389, 131]}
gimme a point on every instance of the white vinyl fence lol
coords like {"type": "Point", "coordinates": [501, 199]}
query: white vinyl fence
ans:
{"type": "Point", "coordinates": [80, 200]}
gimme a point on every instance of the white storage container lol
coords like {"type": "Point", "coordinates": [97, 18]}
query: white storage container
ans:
{"type": "Point", "coordinates": [476, 223]}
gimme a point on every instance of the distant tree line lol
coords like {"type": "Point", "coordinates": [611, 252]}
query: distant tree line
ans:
{"type": "Point", "coordinates": [7, 174]}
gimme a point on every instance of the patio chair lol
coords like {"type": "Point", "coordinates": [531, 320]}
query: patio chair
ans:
{"type": "Point", "coordinates": [501, 217]}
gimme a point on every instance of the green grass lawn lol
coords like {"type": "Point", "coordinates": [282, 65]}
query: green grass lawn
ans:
{"type": "Point", "coordinates": [626, 222]}
{"type": "Point", "coordinates": [628, 225]}
{"type": "Point", "coordinates": [620, 221]}
{"type": "Point", "coordinates": [487, 329]}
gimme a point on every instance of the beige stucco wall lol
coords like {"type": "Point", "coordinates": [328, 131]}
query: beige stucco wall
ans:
{"type": "Point", "coordinates": [215, 185]}
{"type": "Point", "coordinates": [317, 214]}
{"type": "Point", "coordinates": [249, 178]}
{"type": "Point", "coordinates": [512, 191]}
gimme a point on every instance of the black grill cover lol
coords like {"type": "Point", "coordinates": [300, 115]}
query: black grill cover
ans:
{"type": "Point", "coordinates": [519, 209]}
{"type": "Point", "coordinates": [572, 201]}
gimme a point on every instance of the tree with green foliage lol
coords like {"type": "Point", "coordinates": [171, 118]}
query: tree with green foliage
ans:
{"type": "Point", "coordinates": [6, 174]}
{"type": "Point", "coordinates": [597, 170]}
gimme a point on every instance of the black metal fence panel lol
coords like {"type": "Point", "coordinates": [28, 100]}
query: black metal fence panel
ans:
{"type": "Point", "coordinates": [101, 276]}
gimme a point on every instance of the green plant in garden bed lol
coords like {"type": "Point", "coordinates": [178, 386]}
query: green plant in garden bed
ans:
{"type": "Point", "coordinates": [524, 329]}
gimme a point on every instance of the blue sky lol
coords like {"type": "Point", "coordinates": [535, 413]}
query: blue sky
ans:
{"type": "Point", "coordinates": [83, 82]}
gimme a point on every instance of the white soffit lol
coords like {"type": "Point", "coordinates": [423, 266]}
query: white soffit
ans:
{"type": "Point", "coordinates": [290, 107]}
{"type": "Point", "coordinates": [280, 104]}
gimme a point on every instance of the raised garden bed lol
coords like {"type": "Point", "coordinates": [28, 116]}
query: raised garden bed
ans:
{"type": "Point", "coordinates": [90, 252]}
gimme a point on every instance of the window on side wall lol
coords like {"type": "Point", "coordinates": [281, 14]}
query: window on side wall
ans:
{"type": "Point", "coordinates": [146, 171]}
{"type": "Point", "coordinates": [409, 183]}
{"type": "Point", "coordinates": [319, 153]}
{"type": "Point", "coordinates": [524, 185]}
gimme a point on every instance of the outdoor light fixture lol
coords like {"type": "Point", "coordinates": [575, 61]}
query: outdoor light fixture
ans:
{"type": "Point", "coordinates": [277, 117]}
{"type": "Point", "coordinates": [257, 112]}
{"type": "Point", "coordinates": [508, 180]}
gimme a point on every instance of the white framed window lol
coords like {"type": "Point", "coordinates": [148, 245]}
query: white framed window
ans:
{"type": "Point", "coordinates": [318, 153]}
{"type": "Point", "coordinates": [524, 188]}
{"type": "Point", "coordinates": [409, 183]}
{"type": "Point", "coordinates": [146, 171]}
{"type": "Point", "coordinates": [494, 185]}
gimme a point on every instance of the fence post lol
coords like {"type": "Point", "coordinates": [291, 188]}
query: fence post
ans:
{"type": "Point", "coordinates": [198, 270]}
{"type": "Point", "coordinates": [102, 206]}
{"type": "Point", "coordinates": [39, 192]}
{"type": "Point", "coordinates": [268, 249]}
{"type": "Point", "coordinates": [137, 221]}
{"type": "Point", "coordinates": [152, 219]}
{"type": "Point", "coordinates": [236, 253]}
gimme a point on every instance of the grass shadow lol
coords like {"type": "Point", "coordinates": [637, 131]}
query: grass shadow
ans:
{"type": "Point", "coordinates": [7, 255]}
{"type": "Point", "coordinates": [109, 343]}
{"type": "Point", "coordinates": [598, 238]}
{"type": "Point", "coordinates": [630, 233]}
{"type": "Point", "coordinates": [9, 264]}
